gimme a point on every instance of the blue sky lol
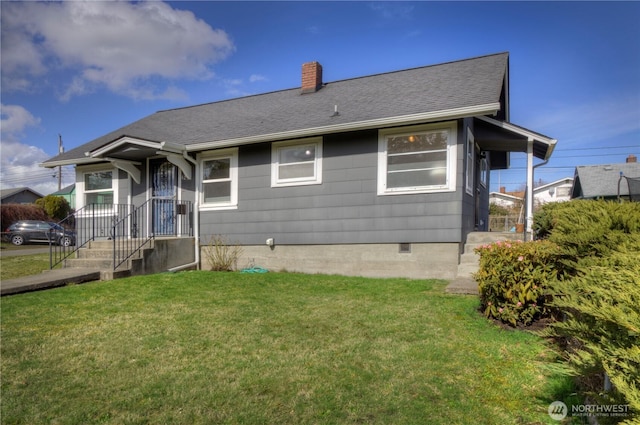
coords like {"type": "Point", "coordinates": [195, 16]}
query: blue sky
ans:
{"type": "Point", "coordinates": [82, 69]}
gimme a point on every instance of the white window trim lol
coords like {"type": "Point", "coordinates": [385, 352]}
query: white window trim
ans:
{"type": "Point", "coordinates": [469, 157]}
{"type": "Point", "coordinates": [232, 154]}
{"type": "Point", "coordinates": [80, 192]}
{"type": "Point", "coordinates": [302, 181]}
{"type": "Point", "coordinates": [452, 143]}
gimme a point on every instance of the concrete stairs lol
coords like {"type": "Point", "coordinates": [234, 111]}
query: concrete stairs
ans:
{"type": "Point", "coordinates": [99, 255]}
{"type": "Point", "coordinates": [470, 261]}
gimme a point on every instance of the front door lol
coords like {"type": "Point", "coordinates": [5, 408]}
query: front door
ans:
{"type": "Point", "coordinates": [164, 189]}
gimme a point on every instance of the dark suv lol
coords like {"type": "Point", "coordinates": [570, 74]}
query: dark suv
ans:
{"type": "Point", "coordinates": [27, 231]}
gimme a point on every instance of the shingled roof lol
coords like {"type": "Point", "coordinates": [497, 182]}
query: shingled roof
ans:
{"type": "Point", "coordinates": [601, 181]}
{"type": "Point", "coordinates": [463, 88]}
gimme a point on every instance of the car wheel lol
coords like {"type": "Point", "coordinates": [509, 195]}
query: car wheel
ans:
{"type": "Point", "coordinates": [17, 239]}
{"type": "Point", "coordinates": [65, 241]}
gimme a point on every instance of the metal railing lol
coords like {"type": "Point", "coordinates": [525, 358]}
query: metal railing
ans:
{"type": "Point", "coordinates": [130, 235]}
{"type": "Point", "coordinates": [129, 227]}
{"type": "Point", "coordinates": [89, 223]}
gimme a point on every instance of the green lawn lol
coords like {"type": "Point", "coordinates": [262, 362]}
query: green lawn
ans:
{"type": "Point", "coordinates": [277, 348]}
{"type": "Point", "coordinates": [23, 265]}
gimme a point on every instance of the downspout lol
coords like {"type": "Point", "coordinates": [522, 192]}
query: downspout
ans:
{"type": "Point", "coordinates": [196, 223]}
{"type": "Point", "coordinates": [529, 191]}
{"type": "Point", "coordinates": [546, 161]}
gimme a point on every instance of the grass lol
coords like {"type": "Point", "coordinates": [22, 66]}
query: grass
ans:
{"type": "Point", "coordinates": [23, 265]}
{"type": "Point", "coordinates": [277, 348]}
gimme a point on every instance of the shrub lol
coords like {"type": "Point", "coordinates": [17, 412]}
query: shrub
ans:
{"type": "Point", "coordinates": [602, 308]}
{"type": "Point", "coordinates": [10, 213]}
{"type": "Point", "coordinates": [56, 207]}
{"type": "Point", "coordinates": [221, 255]}
{"type": "Point", "coordinates": [514, 278]}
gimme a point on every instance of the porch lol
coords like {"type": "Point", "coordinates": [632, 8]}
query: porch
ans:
{"type": "Point", "coordinates": [125, 240]}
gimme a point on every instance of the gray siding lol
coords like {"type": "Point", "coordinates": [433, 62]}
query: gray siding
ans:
{"type": "Point", "coordinates": [344, 209]}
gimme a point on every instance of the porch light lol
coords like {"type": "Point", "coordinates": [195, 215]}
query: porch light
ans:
{"type": "Point", "coordinates": [412, 138]}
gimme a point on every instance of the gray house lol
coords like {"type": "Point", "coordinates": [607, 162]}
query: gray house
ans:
{"type": "Point", "coordinates": [383, 175]}
{"type": "Point", "coordinates": [19, 195]}
{"type": "Point", "coordinates": [605, 181]}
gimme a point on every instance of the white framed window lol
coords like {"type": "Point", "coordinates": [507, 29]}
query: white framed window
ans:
{"type": "Point", "coordinates": [219, 180]}
{"type": "Point", "coordinates": [296, 162]}
{"type": "Point", "coordinates": [96, 184]}
{"type": "Point", "coordinates": [417, 159]}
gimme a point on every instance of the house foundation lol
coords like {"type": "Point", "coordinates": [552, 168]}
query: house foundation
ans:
{"type": "Point", "coordinates": [414, 261]}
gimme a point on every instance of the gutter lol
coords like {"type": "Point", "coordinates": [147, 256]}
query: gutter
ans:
{"type": "Point", "coordinates": [196, 225]}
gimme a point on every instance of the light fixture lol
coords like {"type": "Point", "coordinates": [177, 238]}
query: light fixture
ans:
{"type": "Point", "coordinates": [412, 138]}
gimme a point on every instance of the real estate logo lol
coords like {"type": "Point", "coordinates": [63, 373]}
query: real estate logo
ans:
{"type": "Point", "coordinates": [558, 410]}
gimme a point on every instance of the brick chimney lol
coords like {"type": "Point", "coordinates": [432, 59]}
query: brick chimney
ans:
{"type": "Point", "coordinates": [632, 158]}
{"type": "Point", "coordinates": [503, 189]}
{"type": "Point", "coordinates": [311, 77]}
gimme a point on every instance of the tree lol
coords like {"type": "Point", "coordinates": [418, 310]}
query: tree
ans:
{"type": "Point", "coordinates": [56, 207]}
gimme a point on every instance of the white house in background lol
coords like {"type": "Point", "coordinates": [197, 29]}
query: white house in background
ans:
{"type": "Point", "coordinates": [507, 200]}
{"type": "Point", "coordinates": [557, 191]}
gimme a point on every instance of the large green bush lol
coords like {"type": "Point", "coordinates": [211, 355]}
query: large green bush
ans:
{"type": "Point", "coordinates": [514, 279]}
{"type": "Point", "coordinates": [600, 248]}
{"type": "Point", "coordinates": [56, 207]}
{"type": "Point", "coordinates": [602, 323]}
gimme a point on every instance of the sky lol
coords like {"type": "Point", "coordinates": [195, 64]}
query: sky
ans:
{"type": "Point", "coordinates": [77, 70]}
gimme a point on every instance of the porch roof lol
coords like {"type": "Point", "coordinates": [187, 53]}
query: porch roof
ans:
{"type": "Point", "coordinates": [501, 137]}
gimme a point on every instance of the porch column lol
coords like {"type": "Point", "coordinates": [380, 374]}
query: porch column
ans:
{"type": "Point", "coordinates": [529, 194]}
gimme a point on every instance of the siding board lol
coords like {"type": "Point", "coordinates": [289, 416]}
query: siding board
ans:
{"type": "Point", "coordinates": [344, 209]}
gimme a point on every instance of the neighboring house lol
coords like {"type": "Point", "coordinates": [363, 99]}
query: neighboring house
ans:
{"type": "Point", "coordinates": [19, 195]}
{"type": "Point", "coordinates": [604, 181]}
{"type": "Point", "coordinates": [383, 175]}
{"type": "Point", "coordinates": [68, 193]}
{"type": "Point", "coordinates": [557, 191]}
{"type": "Point", "coordinates": [507, 200]}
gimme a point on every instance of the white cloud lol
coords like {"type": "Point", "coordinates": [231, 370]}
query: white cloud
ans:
{"type": "Point", "coordinates": [119, 45]}
{"type": "Point", "coordinates": [14, 120]}
{"type": "Point", "coordinates": [257, 77]}
{"type": "Point", "coordinates": [19, 163]}
{"type": "Point", "coordinates": [392, 10]}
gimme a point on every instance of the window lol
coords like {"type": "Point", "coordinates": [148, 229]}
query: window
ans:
{"type": "Point", "coordinates": [296, 163]}
{"type": "Point", "coordinates": [469, 157]}
{"type": "Point", "coordinates": [98, 187]}
{"type": "Point", "coordinates": [484, 171]}
{"type": "Point", "coordinates": [418, 159]}
{"type": "Point", "coordinates": [220, 180]}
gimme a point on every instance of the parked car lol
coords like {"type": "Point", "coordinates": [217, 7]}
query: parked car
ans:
{"type": "Point", "coordinates": [29, 231]}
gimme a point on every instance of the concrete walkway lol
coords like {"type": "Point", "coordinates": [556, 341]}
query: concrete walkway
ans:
{"type": "Point", "coordinates": [462, 285]}
{"type": "Point", "coordinates": [47, 279]}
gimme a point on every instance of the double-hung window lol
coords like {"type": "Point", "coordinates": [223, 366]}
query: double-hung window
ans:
{"type": "Point", "coordinates": [295, 163]}
{"type": "Point", "coordinates": [418, 159]}
{"type": "Point", "coordinates": [219, 179]}
{"type": "Point", "coordinates": [98, 187]}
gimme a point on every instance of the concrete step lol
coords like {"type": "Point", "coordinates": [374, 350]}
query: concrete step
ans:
{"type": "Point", "coordinates": [469, 257]}
{"type": "Point", "coordinates": [482, 238]}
